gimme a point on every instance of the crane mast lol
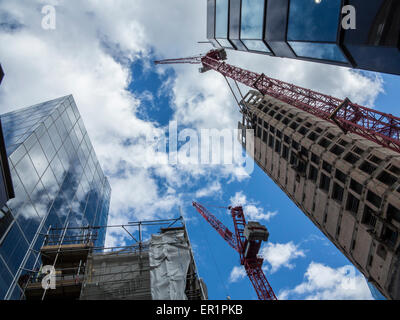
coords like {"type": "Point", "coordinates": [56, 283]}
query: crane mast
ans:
{"type": "Point", "coordinates": [379, 127]}
{"type": "Point", "coordinates": [247, 242]}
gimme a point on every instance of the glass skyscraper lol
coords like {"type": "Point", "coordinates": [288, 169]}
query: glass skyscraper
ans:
{"type": "Point", "coordinates": [1, 74]}
{"type": "Point", "coordinates": [354, 33]}
{"type": "Point", "coordinates": [57, 181]}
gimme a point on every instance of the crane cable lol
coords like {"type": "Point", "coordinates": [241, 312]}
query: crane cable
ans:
{"type": "Point", "coordinates": [215, 263]}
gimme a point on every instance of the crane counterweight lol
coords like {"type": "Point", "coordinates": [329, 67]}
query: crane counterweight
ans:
{"type": "Point", "coordinates": [255, 231]}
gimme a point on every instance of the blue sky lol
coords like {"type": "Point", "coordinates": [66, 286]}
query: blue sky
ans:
{"type": "Point", "coordinates": [214, 257]}
{"type": "Point", "coordinates": [101, 52]}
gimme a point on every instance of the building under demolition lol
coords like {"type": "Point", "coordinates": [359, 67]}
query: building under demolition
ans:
{"type": "Point", "coordinates": [157, 266]}
{"type": "Point", "coordinates": [347, 185]}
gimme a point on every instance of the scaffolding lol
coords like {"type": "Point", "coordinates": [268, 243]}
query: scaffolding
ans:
{"type": "Point", "coordinates": [155, 265]}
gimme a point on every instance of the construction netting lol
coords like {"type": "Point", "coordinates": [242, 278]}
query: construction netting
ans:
{"type": "Point", "coordinates": [169, 256]}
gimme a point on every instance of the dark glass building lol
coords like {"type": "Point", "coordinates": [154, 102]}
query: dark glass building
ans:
{"type": "Point", "coordinates": [1, 74]}
{"type": "Point", "coordinates": [6, 186]}
{"type": "Point", "coordinates": [364, 36]}
{"type": "Point", "coordinates": [57, 181]}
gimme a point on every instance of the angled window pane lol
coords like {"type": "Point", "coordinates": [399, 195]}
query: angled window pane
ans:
{"type": "Point", "coordinates": [78, 133]}
{"type": "Point", "coordinates": [29, 220]}
{"type": "Point", "coordinates": [21, 196]}
{"type": "Point", "coordinates": [18, 154]}
{"type": "Point", "coordinates": [27, 173]}
{"type": "Point", "coordinates": [58, 169]}
{"type": "Point", "coordinates": [256, 45]}
{"type": "Point", "coordinates": [5, 279]}
{"type": "Point", "coordinates": [67, 121]}
{"type": "Point", "coordinates": [313, 21]}
{"type": "Point", "coordinates": [71, 115]}
{"type": "Point", "coordinates": [221, 19]}
{"type": "Point", "coordinates": [47, 146]}
{"type": "Point", "coordinates": [14, 248]}
{"type": "Point", "coordinates": [61, 128]}
{"type": "Point", "coordinates": [55, 137]}
{"type": "Point", "coordinates": [224, 43]}
{"type": "Point", "coordinates": [252, 19]}
{"type": "Point", "coordinates": [50, 183]}
{"type": "Point", "coordinates": [323, 51]}
{"type": "Point", "coordinates": [38, 158]}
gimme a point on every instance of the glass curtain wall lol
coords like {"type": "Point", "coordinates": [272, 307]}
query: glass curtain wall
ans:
{"type": "Point", "coordinates": [222, 23]}
{"type": "Point", "coordinates": [252, 25]}
{"type": "Point", "coordinates": [57, 179]}
{"type": "Point", "coordinates": [313, 29]}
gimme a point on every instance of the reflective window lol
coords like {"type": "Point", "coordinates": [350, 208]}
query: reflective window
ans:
{"type": "Point", "coordinates": [18, 154]}
{"type": "Point", "coordinates": [69, 147]}
{"type": "Point", "coordinates": [28, 220]}
{"type": "Point", "coordinates": [13, 248]}
{"type": "Point", "coordinates": [310, 20]}
{"type": "Point", "coordinates": [50, 183]}
{"type": "Point", "coordinates": [21, 196]}
{"type": "Point", "coordinates": [41, 200]}
{"type": "Point", "coordinates": [313, 28]}
{"type": "Point", "coordinates": [323, 51]}
{"type": "Point", "coordinates": [90, 212]}
{"type": "Point", "coordinates": [67, 121]}
{"type": "Point", "coordinates": [74, 139]}
{"type": "Point", "coordinates": [55, 137]}
{"type": "Point", "coordinates": [252, 24]}
{"type": "Point", "coordinates": [221, 19]}
{"type": "Point", "coordinates": [224, 43]}
{"type": "Point", "coordinates": [221, 23]}
{"type": "Point", "coordinates": [52, 220]}
{"type": "Point", "coordinates": [78, 132]}
{"type": "Point", "coordinates": [60, 208]}
{"type": "Point", "coordinates": [63, 156]}
{"type": "Point", "coordinates": [61, 128]}
{"type": "Point", "coordinates": [58, 169]}
{"type": "Point", "coordinates": [252, 19]}
{"type": "Point", "coordinates": [71, 115]}
{"type": "Point", "coordinates": [27, 173]}
{"type": "Point", "coordinates": [38, 158]}
{"type": "Point", "coordinates": [5, 279]}
{"type": "Point", "coordinates": [47, 146]}
{"type": "Point", "coordinates": [63, 188]}
{"type": "Point", "coordinates": [256, 45]}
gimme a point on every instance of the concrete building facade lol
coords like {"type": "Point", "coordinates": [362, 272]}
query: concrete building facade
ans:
{"type": "Point", "coordinates": [348, 186]}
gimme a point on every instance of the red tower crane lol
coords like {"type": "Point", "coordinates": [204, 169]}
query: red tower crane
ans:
{"type": "Point", "coordinates": [382, 128]}
{"type": "Point", "coordinates": [247, 242]}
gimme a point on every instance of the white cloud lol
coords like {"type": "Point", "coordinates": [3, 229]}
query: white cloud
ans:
{"type": "Point", "coordinates": [279, 255]}
{"type": "Point", "coordinates": [212, 190]}
{"type": "Point", "coordinates": [237, 274]}
{"type": "Point", "coordinates": [250, 208]}
{"type": "Point", "coordinates": [326, 283]}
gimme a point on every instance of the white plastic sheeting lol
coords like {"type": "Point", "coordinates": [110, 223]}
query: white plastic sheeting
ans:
{"type": "Point", "coordinates": [169, 262]}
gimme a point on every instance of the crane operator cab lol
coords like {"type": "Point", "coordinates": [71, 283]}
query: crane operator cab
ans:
{"type": "Point", "coordinates": [254, 233]}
